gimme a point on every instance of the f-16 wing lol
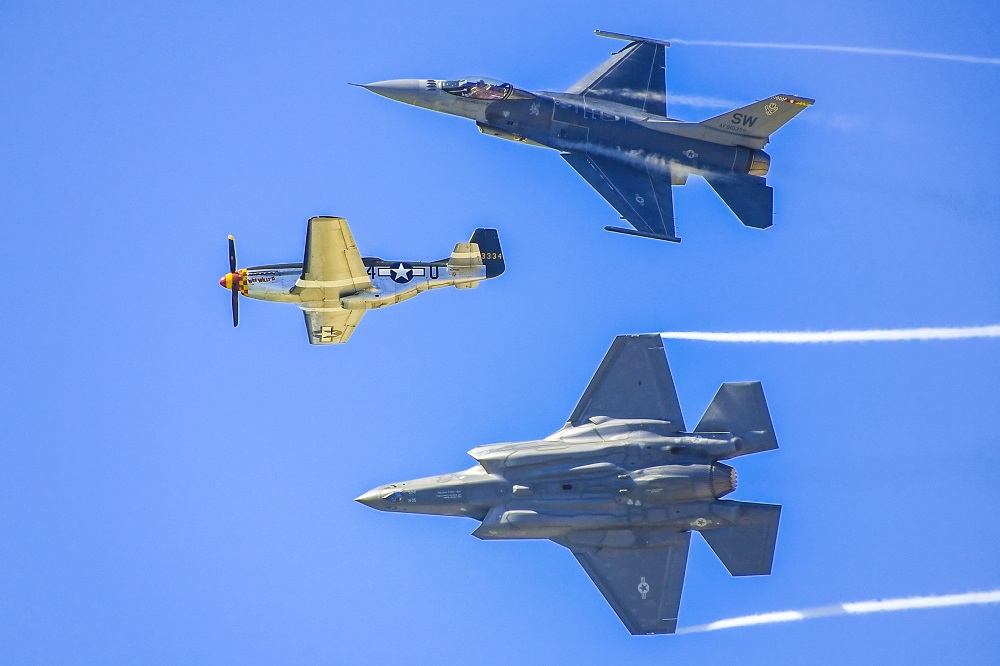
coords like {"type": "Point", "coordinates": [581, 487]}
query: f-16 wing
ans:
{"type": "Point", "coordinates": [632, 382]}
{"type": "Point", "coordinates": [330, 326]}
{"type": "Point", "coordinates": [635, 76]}
{"type": "Point", "coordinates": [640, 195]}
{"type": "Point", "coordinates": [332, 261]}
{"type": "Point", "coordinates": [642, 584]}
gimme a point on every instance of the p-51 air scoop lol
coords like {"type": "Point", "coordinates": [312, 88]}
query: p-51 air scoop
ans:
{"type": "Point", "coordinates": [622, 485]}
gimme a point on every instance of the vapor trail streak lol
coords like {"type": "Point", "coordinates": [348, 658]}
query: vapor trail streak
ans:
{"type": "Point", "coordinates": [806, 337]}
{"type": "Point", "coordinates": [856, 608]}
{"type": "Point", "coordinates": [930, 55]}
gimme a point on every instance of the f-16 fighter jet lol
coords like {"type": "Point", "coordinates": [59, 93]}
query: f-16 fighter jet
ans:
{"type": "Point", "coordinates": [334, 285]}
{"type": "Point", "coordinates": [612, 127]}
{"type": "Point", "coordinates": [622, 485]}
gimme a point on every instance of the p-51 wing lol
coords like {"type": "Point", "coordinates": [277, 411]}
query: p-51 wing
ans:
{"type": "Point", "coordinates": [640, 195]}
{"type": "Point", "coordinates": [331, 268]}
{"type": "Point", "coordinates": [332, 262]}
{"type": "Point", "coordinates": [642, 584]}
{"type": "Point", "coordinates": [330, 326]}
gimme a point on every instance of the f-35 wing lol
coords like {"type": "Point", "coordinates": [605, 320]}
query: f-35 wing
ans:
{"type": "Point", "coordinates": [632, 382]}
{"type": "Point", "coordinates": [642, 584]}
{"type": "Point", "coordinates": [330, 326]}
{"type": "Point", "coordinates": [635, 76]}
{"type": "Point", "coordinates": [332, 266]}
{"type": "Point", "coordinates": [642, 196]}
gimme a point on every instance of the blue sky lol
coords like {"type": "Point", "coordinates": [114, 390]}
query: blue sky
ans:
{"type": "Point", "coordinates": [176, 491]}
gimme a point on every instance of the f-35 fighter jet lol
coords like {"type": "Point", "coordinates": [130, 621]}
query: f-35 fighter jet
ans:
{"type": "Point", "coordinates": [334, 285]}
{"type": "Point", "coordinates": [612, 127]}
{"type": "Point", "coordinates": [622, 485]}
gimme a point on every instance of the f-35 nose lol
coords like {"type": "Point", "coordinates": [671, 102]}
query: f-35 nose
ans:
{"type": "Point", "coordinates": [408, 91]}
{"type": "Point", "coordinates": [370, 498]}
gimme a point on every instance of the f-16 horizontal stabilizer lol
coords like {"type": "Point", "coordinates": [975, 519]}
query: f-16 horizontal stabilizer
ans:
{"type": "Point", "coordinates": [747, 548]}
{"type": "Point", "coordinates": [749, 197]}
{"type": "Point", "coordinates": [740, 408]}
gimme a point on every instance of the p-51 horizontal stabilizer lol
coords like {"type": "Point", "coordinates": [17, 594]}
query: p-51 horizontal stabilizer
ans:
{"type": "Point", "coordinates": [740, 408]}
{"type": "Point", "coordinates": [747, 548]}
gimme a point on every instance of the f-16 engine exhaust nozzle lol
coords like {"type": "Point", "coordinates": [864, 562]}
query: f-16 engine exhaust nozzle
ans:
{"type": "Point", "coordinates": [760, 163]}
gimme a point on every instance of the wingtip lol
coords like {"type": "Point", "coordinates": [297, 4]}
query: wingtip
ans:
{"type": "Point", "coordinates": [630, 38]}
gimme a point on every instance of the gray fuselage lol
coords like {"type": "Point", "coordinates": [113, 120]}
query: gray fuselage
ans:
{"type": "Point", "coordinates": [578, 124]}
{"type": "Point", "coordinates": [615, 474]}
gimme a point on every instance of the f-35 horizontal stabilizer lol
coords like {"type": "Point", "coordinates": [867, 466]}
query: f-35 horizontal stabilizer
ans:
{"type": "Point", "coordinates": [747, 548]}
{"type": "Point", "coordinates": [749, 197]}
{"type": "Point", "coordinates": [740, 408]}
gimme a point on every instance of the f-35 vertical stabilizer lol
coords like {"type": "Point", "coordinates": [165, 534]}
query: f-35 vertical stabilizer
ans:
{"type": "Point", "coordinates": [747, 548]}
{"type": "Point", "coordinates": [740, 408]}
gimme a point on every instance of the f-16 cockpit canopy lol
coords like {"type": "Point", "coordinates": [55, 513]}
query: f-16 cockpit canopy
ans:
{"type": "Point", "coordinates": [479, 88]}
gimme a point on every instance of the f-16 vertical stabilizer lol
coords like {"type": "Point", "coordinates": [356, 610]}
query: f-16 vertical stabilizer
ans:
{"type": "Point", "coordinates": [747, 548]}
{"type": "Point", "coordinates": [760, 119]}
{"type": "Point", "coordinates": [740, 408]}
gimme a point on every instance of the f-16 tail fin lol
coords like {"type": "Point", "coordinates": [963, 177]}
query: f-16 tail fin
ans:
{"type": "Point", "coordinates": [760, 119]}
{"type": "Point", "coordinates": [747, 548]}
{"type": "Point", "coordinates": [740, 408]}
{"type": "Point", "coordinates": [488, 241]}
{"type": "Point", "coordinates": [749, 197]}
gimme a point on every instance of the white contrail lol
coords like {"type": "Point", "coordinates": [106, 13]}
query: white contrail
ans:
{"type": "Point", "coordinates": [703, 102]}
{"type": "Point", "coordinates": [874, 335]}
{"type": "Point", "coordinates": [856, 608]}
{"type": "Point", "coordinates": [864, 50]}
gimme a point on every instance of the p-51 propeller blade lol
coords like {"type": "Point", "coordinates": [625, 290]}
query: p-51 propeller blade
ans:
{"type": "Point", "coordinates": [232, 281]}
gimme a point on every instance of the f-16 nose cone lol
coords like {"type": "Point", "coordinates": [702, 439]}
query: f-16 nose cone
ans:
{"type": "Point", "coordinates": [408, 91]}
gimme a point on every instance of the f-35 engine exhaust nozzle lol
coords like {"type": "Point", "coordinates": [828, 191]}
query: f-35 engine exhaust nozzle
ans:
{"type": "Point", "coordinates": [684, 482]}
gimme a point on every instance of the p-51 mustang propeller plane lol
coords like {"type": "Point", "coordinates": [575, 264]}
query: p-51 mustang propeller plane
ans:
{"type": "Point", "coordinates": [334, 285]}
{"type": "Point", "coordinates": [612, 127]}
